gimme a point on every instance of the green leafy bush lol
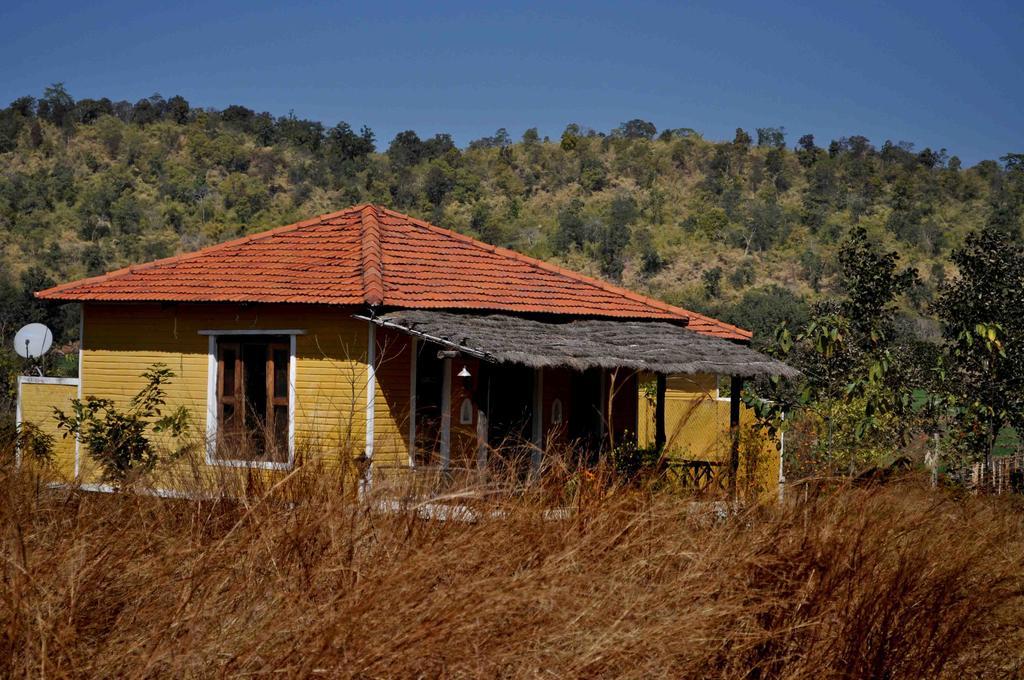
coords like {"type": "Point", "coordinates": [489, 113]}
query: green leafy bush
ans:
{"type": "Point", "coordinates": [27, 440]}
{"type": "Point", "coordinates": [119, 440]}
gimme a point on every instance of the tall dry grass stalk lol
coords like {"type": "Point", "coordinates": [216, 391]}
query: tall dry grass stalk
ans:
{"type": "Point", "coordinates": [298, 576]}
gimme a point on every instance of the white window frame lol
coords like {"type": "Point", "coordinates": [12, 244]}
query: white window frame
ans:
{"type": "Point", "coordinates": [211, 398]}
{"type": "Point", "coordinates": [466, 411]}
{"type": "Point", "coordinates": [557, 412]}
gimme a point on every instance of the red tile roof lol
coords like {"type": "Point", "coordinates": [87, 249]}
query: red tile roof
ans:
{"type": "Point", "coordinates": [370, 255]}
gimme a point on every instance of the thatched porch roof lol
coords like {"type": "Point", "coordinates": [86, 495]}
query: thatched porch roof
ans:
{"type": "Point", "coordinates": [580, 344]}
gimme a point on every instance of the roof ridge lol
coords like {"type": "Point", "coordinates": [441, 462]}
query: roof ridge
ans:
{"type": "Point", "coordinates": [540, 264]}
{"type": "Point", "coordinates": [319, 219]}
{"type": "Point", "coordinates": [372, 259]}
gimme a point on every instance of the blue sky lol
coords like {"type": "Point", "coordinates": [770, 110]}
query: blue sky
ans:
{"type": "Point", "coordinates": [939, 74]}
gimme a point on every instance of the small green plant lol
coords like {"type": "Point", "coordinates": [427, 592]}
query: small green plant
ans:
{"type": "Point", "coordinates": [119, 441]}
{"type": "Point", "coordinates": [27, 440]}
{"type": "Point", "coordinates": [632, 461]}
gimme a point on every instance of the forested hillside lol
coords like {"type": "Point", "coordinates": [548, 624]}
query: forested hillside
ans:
{"type": "Point", "coordinates": [747, 228]}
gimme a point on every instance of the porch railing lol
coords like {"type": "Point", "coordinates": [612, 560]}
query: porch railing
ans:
{"type": "Point", "coordinates": [697, 475]}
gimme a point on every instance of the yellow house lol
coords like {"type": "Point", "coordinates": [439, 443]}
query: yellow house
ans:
{"type": "Point", "coordinates": [367, 334]}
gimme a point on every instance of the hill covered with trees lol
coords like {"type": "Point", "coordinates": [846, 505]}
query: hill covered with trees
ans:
{"type": "Point", "coordinates": [90, 185]}
{"type": "Point", "coordinates": [749, 229]}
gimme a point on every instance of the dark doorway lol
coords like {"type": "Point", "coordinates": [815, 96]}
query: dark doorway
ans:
{"type": "Point", "coordinates": [429, 388]}
{"type": "Point", "coordinates": [510, 408]}
{"type": "Point", "coordinates": [586, 424]}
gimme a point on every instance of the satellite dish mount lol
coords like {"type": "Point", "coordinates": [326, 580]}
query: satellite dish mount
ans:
{"type": "Point", "coordinates": [32, 342]}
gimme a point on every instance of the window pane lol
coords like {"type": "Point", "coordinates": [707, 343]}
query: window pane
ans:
{"type": "Point", "coordinates": [281, 433]}
{"type": "Point", "coordinates": [230, 444]}
{"type": "Point", "coordinates": [254, 379]}
{"type": "Point", "coordinates": [280, 374]}
{"type": "Point", "coordinates": [228, 362]}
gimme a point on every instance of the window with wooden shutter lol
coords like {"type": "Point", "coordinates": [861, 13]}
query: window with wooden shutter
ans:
{"type": "Point", "coordinates": [252, 399]}
{"type": "Point", "coordinates": [229, 397]}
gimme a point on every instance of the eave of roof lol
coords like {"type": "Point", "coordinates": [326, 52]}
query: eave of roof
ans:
{"type": "Point", "coordinates": [650, 345]}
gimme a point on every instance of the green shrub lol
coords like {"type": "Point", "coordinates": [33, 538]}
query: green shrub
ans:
{"type": "Point", "coordinates": [27, 439]}
{"type": "Point", "coordinates": [119, 440]}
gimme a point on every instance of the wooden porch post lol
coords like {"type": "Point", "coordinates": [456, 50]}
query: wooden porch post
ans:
{"type": "Point", "coordinates": [735, 388]}
{"type": "Point", "coordinates": [659, 412]}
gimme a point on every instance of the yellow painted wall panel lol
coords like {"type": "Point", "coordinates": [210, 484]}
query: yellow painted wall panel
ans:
{"type": "Point", "coordinates": [391, 404]}
{"type": "Point", "coordinates": [122, 340]}
{"type": "Point", "coordinates": [697, 428]}
{"type": "Point", "coordinates": [37, 402]}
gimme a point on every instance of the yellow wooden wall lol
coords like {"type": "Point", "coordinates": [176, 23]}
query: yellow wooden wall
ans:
{"type": "Point", "coordinates": [36, 403]}
{"type": "Point", "coordinates": [120, 341]}
{"type": "Point", "coordinates": [697, 428]}
{"type": "Point", "coordinates": [393, 362]}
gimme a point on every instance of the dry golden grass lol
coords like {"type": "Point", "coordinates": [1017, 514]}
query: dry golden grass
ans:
{"type": "Point", "coordinates": [303, 579]}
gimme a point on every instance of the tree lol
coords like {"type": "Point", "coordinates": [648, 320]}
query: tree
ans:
{"type": "Point", "coordinates": [775, 167]}
{"type": "Point", "coordinates": [712, 280]}
{"type": "Point", "coordinates": [813, 268]}
{"type": "Point", "coordinates": [856, 382]}
{"type": "Point", "coordinates": [13, 119]}
{"type": "Point", "coordinates": [1006, 204]}
{"type": "Point", "coordinates": [908, 212]}
{"type": "Point", "coordinates": [613, 239]}
{"type": "Point", "coordinates": [119, 440]}
{"type": "Point", "coordinates": [31, 309]}
{"type": "Point", "coordinates": [239, 117]}
{"type": "Point", "coordinates": [982, 313]}
{"type": "Point", "coordinates": [344, 147]}
{"type": "Point", "coordinates": [487, 228]}
{"type": "Point", "coordinates": [741, 141]}
{"type": "Point", "coordinates": [872, 282]}
{"type": "Point", "coordinates": [772, 137]}
{"type": "Point", "coordinates": [807, 153]}
{"type": "Point", "coordinates": [405, 149]}
{"type": "Point", "coordinates": [593, 173]}
{"type": "Point", "coordinates": [88, 111]}
{"type": "Point", "coordinates": [498, 140]}
{"type": "Point", "coordinates": [264, 128]}
{"type": "Point", "coordinates": [177, 109]}
{"type": "Point", "coordinates": [572, 230]}
{"type": "Point", "coordinates": [302, 134]}
{"type": "Point", "coordinates": [763, 310]}
{"type": "Point", "coordinates": [636, 129]}
{"type": "Point", "coordinates": [438, 146]}
{"type": "Point", "coordinates": [767, 221]}
{"type": "Point", "coordinates": [743, 275]}
{"type": "Point", "coordinates": [149, 110]}
{"type": "Point", "coordinates": [570, 137]}
{"type": "Point", "coordinates": [438, 181]}
{"type": "Point", "coordinates": [623, 210]}
{"type": "Point", "coordinates": [56, 105]}
{"type": "Point", "coordinates": [651, 261]}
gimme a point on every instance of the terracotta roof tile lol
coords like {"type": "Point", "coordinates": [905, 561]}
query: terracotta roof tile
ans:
{"type": "Point", "coordinates": [371, 255]}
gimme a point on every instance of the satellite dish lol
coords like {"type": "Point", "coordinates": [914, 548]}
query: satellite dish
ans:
{"type": "Point", "coordinates": [33, 341]}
